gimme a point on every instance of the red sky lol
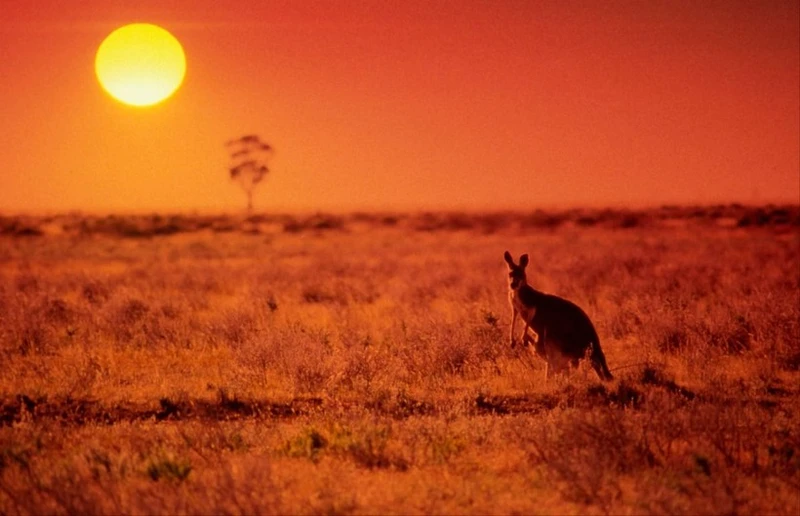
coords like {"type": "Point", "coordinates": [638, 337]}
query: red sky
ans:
{"type": "Point", "coordinates": [433, 104]}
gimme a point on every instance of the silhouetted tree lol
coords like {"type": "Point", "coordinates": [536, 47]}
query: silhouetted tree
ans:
{"type": "Point", "coordinates": [249, 156]}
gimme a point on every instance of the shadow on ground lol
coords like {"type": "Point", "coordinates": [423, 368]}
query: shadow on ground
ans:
{"type": "Point", "coordinates": [627, 393]}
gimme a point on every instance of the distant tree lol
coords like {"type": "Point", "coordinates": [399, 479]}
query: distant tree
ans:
{"type": "Point", "coordinates": [248, 167]}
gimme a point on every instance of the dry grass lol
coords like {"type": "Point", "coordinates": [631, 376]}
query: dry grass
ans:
{"type": "Point", "coordinates": [359, 364]}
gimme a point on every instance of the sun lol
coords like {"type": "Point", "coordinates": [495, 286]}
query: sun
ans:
{"type": "Point", "coordinates": [140, 64]}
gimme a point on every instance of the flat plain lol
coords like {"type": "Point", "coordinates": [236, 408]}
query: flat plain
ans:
{"type": "Point", "coordinates": [359, 363]}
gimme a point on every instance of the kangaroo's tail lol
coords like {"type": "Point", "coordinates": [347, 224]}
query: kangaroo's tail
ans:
{"type": "Point", "coordinates": [599, 363]}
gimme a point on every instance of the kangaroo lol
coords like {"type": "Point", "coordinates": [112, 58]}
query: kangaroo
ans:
{"type": "Point", "coordinates": [564, 333]}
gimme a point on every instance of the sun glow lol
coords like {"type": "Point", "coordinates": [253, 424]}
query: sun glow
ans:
{"type": "Point", "coordinates": [140, 64]}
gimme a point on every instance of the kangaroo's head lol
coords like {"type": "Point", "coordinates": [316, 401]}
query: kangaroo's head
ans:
{"type": "Point", "coordinates": [516, 273]}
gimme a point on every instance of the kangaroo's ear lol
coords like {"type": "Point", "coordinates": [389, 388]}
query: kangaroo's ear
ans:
{"type": "Point", "coordinates": [523, 261]}
{"type": "Point", "coordinates": [509, 260]}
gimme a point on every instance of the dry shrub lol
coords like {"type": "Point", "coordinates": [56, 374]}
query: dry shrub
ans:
{"type": "Point", "coordinates": [365, 368]}
{"type": "Point", "coordinates": [321, 294]}
{"type": "Point", "coordinates": [541, 219]}
{"type": "Point", "coordinates": [317, 222]}
{"type": "Point", "coordinates": [17, 227]}
{"type": "Point", "coordinates": [96, 292]}
{"type": "Point", "coordinates": [27, 283]}
{"type": "Point", "coordinates": [372, 446]}
{"type": "Point", "coordinates": [585, 455]}
{"type": "Point", "coordinates": [336, 291]}
{"type": "Point", "coordinates": [235, 327]}
{"type": "Point", "coordinates": [134, 321]}
{"type": "Point", "coordinates": [301, 355]}
{"type": "Point", "coordinates": [37, 325]}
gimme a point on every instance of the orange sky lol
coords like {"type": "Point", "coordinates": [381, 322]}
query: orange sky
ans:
{"type": "Point", "coordinates": [434, 104]}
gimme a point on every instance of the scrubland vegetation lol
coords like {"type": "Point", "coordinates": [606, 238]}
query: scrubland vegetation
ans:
{"type": "Point", "coordinates": [360, 364]}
